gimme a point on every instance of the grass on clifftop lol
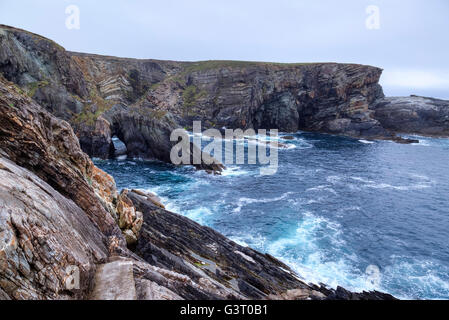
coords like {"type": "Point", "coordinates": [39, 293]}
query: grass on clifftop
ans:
{"type": "Point", "coordinates": [216, 64]}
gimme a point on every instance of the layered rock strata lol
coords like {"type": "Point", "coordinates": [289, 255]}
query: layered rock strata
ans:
{"type": "Point", "coordinates": [413, 115]}
{"type": "Point", "coordinates": [142, 101]}
{"type": "Point", "coordinates": [66, 233]}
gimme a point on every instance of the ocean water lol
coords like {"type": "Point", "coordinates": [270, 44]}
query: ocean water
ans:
{"type": "Point", "coordinates": [336, 207]}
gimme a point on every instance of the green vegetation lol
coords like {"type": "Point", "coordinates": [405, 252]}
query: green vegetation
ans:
{"type": "Point", "coordinates": [143, 96]}
{"type": "Point", "coordinates": [87, 116]}
{"type": "Point", "coordinates": [16, 88]}
{"type": "Point", "coordinates": [154, 86]}
{"type": "Point", "coordinates": [32, 87]}
{"type": "Point", "coordinates": [190, 96]}
{"type": "Point", "coordinates": [76, 97]}
{"type": "Point", "coordinates": [178, 78]}
{"type": "Point", "coordinates": [158, 114]}
{"type": "Point", "coordinates": [216, 64]}
{"type": "Point", "coordinates": [148, 112]}
{"type": "Point", "coordinates": [200, 264]}
{"type": "Point", "coordinates": [201, 66]}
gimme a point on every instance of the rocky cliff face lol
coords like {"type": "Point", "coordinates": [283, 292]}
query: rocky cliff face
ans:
{"type": "Point", "coordinates": [60, 217]}
{"type": "Point", "coordinates": [332, 98]}
{"type": "Point", "coordinates": [318, 97]}
{"type": "Point", "coordinates": [58, 211]}
{"type": "Point", "coordinates": [141, 101]}
{"type": "Point", "coordinates": [95, 96]}
{"type": "Point", "coordinates": [43, 69]}
{"type": "Point", "coordinates": [419, 115]}
{"type": "Point", "coordinates": [52, 215]}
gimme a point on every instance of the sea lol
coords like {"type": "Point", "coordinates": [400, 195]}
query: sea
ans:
{"type": "Point", "coordinates": [364, 215]}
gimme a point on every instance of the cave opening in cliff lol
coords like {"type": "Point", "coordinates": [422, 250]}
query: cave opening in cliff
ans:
{"type": "Point", "coordinates": [118, 148]}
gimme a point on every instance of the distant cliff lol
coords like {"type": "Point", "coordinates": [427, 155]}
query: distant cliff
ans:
{"type": "Point", "coordinates": [142, 101]}
{"type": "Point", "coordinates": [414, 114]}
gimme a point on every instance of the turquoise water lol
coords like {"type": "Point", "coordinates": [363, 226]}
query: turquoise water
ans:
{"type": "Point", "coordinates": [335, 207]}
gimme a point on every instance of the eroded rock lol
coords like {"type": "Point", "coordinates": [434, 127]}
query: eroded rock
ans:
{"type": "Point", "coordinates": [114, 281]}
{"type": "Point", "coordinates": [34, 139]}
{"type": "Point", "coordinates": [414, 115]}
{"type": "Point", "coordinates": [43, 233]}
{"type": "Point", "coordinates": [143, 101]}
{"type": "Point", "coordinates": [58, 211]}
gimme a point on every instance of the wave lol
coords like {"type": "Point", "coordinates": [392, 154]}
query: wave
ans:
{"type": "Point", "coordinates": [198, 214]}
{"type": "Point", "coordinates": [233, 171]}
{"type": "Point", "coordinates": [246, 201]}
{"type": "Point", "coordinates": [249, 240]}
{"type": "Point", "coordinates": [424, 278]}
{"type": "Point", "coordinates": [315, 250]}
{"type": "Point", "coordinates": [264, 140]}
{"type": "Point", "coordinates": [317, 253]}
{"type": "Point", "coordinates": [366, 141]}
{"type": "Point", "coordinates": [401, 188]}
{"type": "Point", "coordinates": [428, 141]}
{"type": "Point", "coordinates": [322, 188]}
{"type": "Point", "coordinates": [421, 182]}
{"type": "Point", "coordinates": [321, 245]}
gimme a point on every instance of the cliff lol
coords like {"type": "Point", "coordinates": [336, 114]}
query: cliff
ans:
{"type": "Point", "coordinates": [98, 106]}
{"type": "Point", "coordinates": [416, 115]}
{"type": "Point", "coordinates": [142, 101]}
{"type": "Point", "coordinates": [59, 213]}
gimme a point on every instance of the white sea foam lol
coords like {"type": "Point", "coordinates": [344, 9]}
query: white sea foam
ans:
{"type": "Point", "coordinates": [362, 180]}
{"type": "Point", "coordinates": [333, 179]}
{"type": "Point", "coordinates": [322, 188]}
{"type": "Point", "coordinates": [314, 262]}
{"type": "Point", "coordinates": [233, 171]}
{"type": "Point", "coordinates": [422, 182]}
{"type": "Point", "coordinates": [264, 200]}
{"type": "Point", "coordinates": [366, 141]}
{"type": "Point", "coordinates": [250, 240]}
{"type": "Point", "coordinates": [198, 214]}
{"type": "Point", "coordinates": [245, 201]}
{"type": "Point", "coordinates": [424, 278]}
{"type": "Point", "coordinates": [296, 143]}
{"type": "Point", "coordinates": [154, 190]}
{"type": "Point", "coordinates": [401, 188]}
{"type": "Point", "coordinates": [317, 200]}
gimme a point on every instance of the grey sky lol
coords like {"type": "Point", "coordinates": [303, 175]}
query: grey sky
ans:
{"type": "Point", "coordinates": [412, 44]}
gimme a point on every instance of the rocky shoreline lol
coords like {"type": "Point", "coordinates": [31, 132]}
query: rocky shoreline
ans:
{"type": "Point", "coordinates": [58, 212]}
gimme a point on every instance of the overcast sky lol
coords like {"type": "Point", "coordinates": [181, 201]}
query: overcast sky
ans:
{"type": "Point", "coordinates": [411, 42]}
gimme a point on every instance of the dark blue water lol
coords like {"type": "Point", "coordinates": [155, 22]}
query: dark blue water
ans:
{"type": "Point", "coordinates": [335, 207]}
